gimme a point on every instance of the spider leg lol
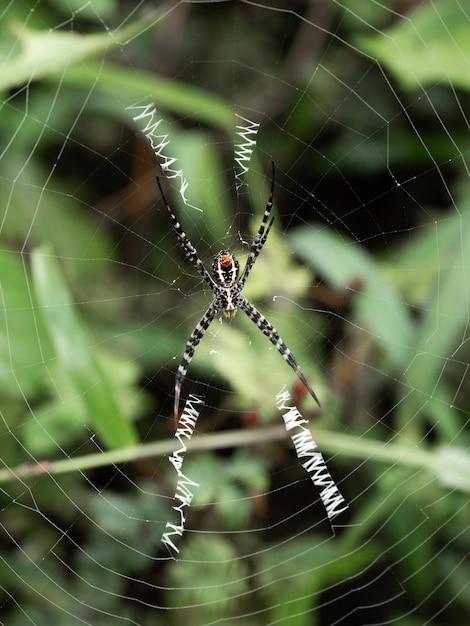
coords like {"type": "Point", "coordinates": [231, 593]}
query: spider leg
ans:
{"type": "Point", "coordinates": [189, 250]}
{"type": "Point", "coordinates": [262, 235]}
{"type": "Point", "coordinates": [194, 339]}
{"type": "Point", "coordinates": [271, 333]}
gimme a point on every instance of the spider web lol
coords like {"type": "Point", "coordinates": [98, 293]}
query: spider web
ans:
{"type": "Point", "coordinates": [364, 108]}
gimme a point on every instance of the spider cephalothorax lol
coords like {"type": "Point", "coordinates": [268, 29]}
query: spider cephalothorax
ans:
{"type": "Point", "coordinates": [226, 287]}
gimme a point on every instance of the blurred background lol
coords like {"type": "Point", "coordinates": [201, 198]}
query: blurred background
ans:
{"type": "Point", "coordinates": [364, 110]}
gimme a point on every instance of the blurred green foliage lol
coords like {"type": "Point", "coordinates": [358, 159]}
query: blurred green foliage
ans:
{"type": "Point", "coordinates": [85, 324]}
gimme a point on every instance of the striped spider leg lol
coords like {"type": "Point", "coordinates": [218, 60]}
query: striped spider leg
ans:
{"type": "Point", "coordinates": [226, 288]}
{"type": "Point", "coordinates": [271, 333]}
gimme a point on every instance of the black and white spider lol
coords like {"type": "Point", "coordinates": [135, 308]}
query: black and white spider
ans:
{"type": "Point", "coordinates": [227, 287]}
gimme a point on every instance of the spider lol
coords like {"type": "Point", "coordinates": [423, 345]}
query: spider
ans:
{"type": "Point", "coordinates": [227, 287]}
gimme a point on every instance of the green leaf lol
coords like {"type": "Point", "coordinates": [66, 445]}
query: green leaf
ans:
{"type": "Point", "coordinates": [198, 159]}
{"type": "Point", "coordinates": [46, 52]}
{"type": "Point", "coordinates": [444, 258]}
{"type": "Point", "coordinates": [64, 55]}
{"type": "Point", "coordinates": [203, 585]}
{"type": "Point", "coordinates": [431, 45]}
{"type": "Point", "coordinates": [144, 87]}
{"type": "Point", "coordinates": [377, 306]}
{"type": "Point", "coordinates": [224, 486]}
{"type": "Point", "coordinates": [58, 422]}
{"type": "Point", "coordinates": [75, 356]}
{"type": "Point", "coordinates": [31, 208]}
{"type": "Point", "coordinates": [23, 341]}
{"type": "Point", "coordinates": [57, 55]}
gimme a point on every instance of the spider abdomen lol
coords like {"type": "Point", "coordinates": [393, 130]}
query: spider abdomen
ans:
{"type": "Point", "coordinates": [227, 301]}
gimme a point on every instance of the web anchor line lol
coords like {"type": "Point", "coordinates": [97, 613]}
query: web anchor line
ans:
{"type": "Point", "coordinates": [311, 460]}
{"type": "Point", "coordinates": [183, 493]}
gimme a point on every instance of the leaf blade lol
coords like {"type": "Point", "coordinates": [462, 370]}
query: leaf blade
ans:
{"type": "Point", "coordinates": [74, 354]}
